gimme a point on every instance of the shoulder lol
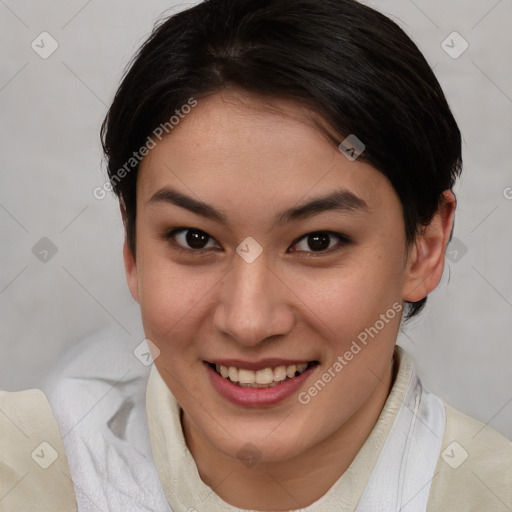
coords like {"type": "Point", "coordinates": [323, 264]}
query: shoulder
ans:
{"type": "Point", "coordinates": [97, 392]}
{"type": "Point", "coordinates": [34, 472]}
{"type": "Point", "coordinates": [474, 470]}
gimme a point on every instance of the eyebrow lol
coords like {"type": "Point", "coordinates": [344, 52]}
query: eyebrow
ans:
{"type": "Point", "coordinates": [340, 200]}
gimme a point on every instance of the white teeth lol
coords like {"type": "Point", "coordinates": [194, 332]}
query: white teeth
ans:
{"type": "Point", "coordinates": [280, 373]}
{"type": "Point", "coordinates": [290, 371]}
{"type": "Point", "coordinates": [246, 376]}
{"type": "Point", "coordinates": [267, 377]}
{"type": "Point", "coordinates": [233, 374]}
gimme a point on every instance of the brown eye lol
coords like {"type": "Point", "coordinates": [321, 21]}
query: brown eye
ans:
{"type": "Point", "coordinates": [196, 239]}
{"type": "Point", "coordinates": [320, 241]}
{"type": "Point", "coordinates": [191, 239]}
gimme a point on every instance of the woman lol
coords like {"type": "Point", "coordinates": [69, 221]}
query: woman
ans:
{"type": "Point", "coordinates": [285, 174]}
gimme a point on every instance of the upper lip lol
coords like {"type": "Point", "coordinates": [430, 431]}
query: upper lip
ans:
{"type": "Point", "coordinates": [258, 365]}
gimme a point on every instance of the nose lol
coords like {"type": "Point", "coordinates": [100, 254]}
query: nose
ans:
{"type": "Point", "coordinates": [253, 304]}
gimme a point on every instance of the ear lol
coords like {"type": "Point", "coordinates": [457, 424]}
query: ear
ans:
{"type": "Point", "coordinates": [425, 263]}
{"type": "Point", "coordinates": [130, 265]}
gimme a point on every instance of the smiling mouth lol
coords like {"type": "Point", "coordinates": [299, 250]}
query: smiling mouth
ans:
{"type": "Point", "coordinates": [264, 378]}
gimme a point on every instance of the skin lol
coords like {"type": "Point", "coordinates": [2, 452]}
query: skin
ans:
{"type": "Point", "coordinates": [249, 162]}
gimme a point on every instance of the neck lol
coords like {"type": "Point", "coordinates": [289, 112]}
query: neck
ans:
{"type": "Point", "coordinates": [294, 483]}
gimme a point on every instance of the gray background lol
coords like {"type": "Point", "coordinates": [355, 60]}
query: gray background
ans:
{"type": "Point", "coordinates": [51, 111]}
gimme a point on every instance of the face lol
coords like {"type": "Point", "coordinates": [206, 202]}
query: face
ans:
{"type": "Point", "coordinates": [234, 269]}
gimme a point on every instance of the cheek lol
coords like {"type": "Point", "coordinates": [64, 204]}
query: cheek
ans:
{"type": "Point", "coordinates": [344, 307]}
{"type": "Point", "coordinates": [345, 299]}
{"type": "Point", "coordinates": [170, 297]}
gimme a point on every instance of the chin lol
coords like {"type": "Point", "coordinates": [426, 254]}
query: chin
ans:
{"type": "Point", "coordinates": [252, 447]}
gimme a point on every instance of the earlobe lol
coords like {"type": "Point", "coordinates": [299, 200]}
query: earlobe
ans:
{"type": "Point", "coordinates": [425, 264]}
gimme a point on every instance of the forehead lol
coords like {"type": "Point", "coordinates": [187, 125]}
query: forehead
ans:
{"type": "Point", "coordinates": [234, 143]}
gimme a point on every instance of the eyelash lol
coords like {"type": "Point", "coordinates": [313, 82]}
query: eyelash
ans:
{"type": "Point", "coordinates": [344, 240]}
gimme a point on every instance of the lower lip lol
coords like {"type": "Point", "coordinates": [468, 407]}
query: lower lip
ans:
{"type": "Point", "coordinates": [257, 397]}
